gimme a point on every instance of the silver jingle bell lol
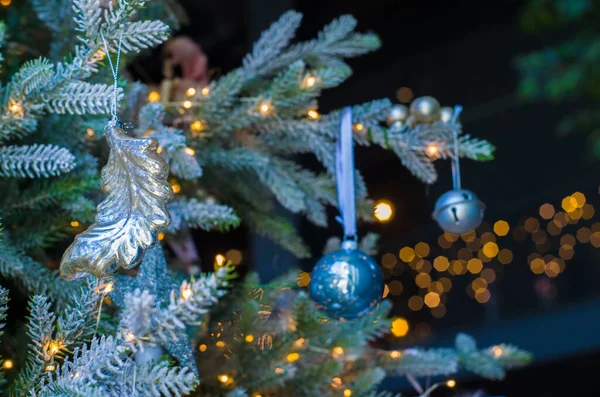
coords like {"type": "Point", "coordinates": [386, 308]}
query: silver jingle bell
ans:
{"type": "Point", "coordinates": [458, 211]}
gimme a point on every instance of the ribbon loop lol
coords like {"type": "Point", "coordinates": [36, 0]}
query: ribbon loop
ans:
{"type": "Point", "coordinates": [344, 172]}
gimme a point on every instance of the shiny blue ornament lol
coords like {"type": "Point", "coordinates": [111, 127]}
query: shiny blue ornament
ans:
{"type": "Point", "coordinates": [347, 283]}
{"type": "Point", "coordinates": [458, 211]}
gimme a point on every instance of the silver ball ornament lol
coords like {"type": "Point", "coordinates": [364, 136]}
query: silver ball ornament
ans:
{"type": "Point", "coordinates": [151, 352]}
{"type": "Point", "coordinates": [425, 109]}
{"type": "Point", "coordinates": [458, 211]}
{"type": "Point", "coordinates": [397, 113]}
{"type": "Point", "coordinates": [347, 283]}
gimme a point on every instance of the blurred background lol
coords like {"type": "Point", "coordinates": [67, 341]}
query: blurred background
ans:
{"type": "Point", "coordinates": [525, 73]}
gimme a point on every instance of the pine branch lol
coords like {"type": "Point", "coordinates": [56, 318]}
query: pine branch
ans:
{"type": "Point", "coordinates": [40, 330]}
{"type": "Point", "coordinates": [35, 161]}
{"type": "Point", "coordinates": [33, 276]}
{"type": "Point", "coordinates": [4, 298]}
{"type": "Point", "coordinates": [82, 98]}
{"type": "Point", "coordinates": [195, 214]}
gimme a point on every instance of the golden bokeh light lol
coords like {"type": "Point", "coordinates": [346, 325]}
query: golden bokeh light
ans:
{"type": "Point", "coordinates": [501, 228]}
{"type": "Point", "coordinates": [474, 266]}
{"type": "Point", "coordinates": [400, 327]}
{"type": "Point", "coordinates": [384, 211]}
{"type": "Point", "coordinates": [153, 96]}
{"type": "Point", "coordinates": [415, 303]}
{"type": "Point", "coordinates": [441, 263]}
{"type": "Point", "coordinates": [407, 254]}
{"type": "Point", "coordinates": [432, 299]}
{"type": "Point", "coordinates": [422, 249]}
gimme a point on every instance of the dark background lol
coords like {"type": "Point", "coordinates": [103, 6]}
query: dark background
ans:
{"type": "Point", "coordinates": [461, 53]}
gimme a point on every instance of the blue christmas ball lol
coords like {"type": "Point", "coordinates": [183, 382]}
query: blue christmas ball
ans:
{"type": "Point", "coordinates": [347, 283]}
{"type": "Point", "coordinates": [458, 211]}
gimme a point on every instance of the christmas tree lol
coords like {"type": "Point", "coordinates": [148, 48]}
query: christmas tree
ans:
{"type": "Point", "coordinates": [117, 320]}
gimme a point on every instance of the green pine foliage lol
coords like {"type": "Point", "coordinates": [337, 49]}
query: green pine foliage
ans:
{"type": "Point", "coordinates": [566, 69]}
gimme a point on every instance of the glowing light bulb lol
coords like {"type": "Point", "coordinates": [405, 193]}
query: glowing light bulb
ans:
{"type": "Point", "coordinates": [8, 364]}
{"type": "Point", "coordinates": [293, 357]}
{"type": "Point", "coordinates": [249, 338]}
{"type": "Point", "coordinates": [265, 108]}
{"type": "Point", "coordinates": [279, 371]}
{"type": "Point", "coordinates": [338, 351]}
{"type": "Point", "coordinates": [202, 347]}
{"type": "Point", "coordinates": [190, 91]}
{"type": "Point", "coordinates": [90, 132]}
{"type": "Point", "coordinates": [450, 383]}
{"type": "Point", "coordinates": [497, 350]}
{"type": "Point", "coordinates": [159, 150]}
{"type": "Point", "coordinates": [176, 187]}
{"type": "Point", "coordinates": [223, 378]}
{"type": "Point", "coordinates": [5, 3]}
{"type": "Point", "coordinates": [53, 347]}
{"type": "Point", "coordinates": [50, 367]}
{"type": "Point", "coordinates": [220, 344]}
{"type": "Point", "coordinates": [313, 114]}
{"type": "Point", "coordinates": [129, 337]}
{"type": "Point", "coordinates": [189, 151]}
{"type": "Point", "coordinates": [108, 288]}
{"type": "Point", "coordinates": [74, 224]}
{"type": "Point", "coordinates": [197, 126]}
{"type": "Point", "coordinates": [153, 96]}
{"type": "Point", "coordinates": [205, 91]}
{"type": "Point", "coordinates": [395, 354]}
{"type": "Point", "coordinates": [359, 127]}
{"type": "Point", "coordinates": [161, 236]}
{"type": "Point", "coordinates": [383, 211]}
{"type": "Point", "coordinates": [187, 104]}
{"type": "Point", "coordinates": [347, 393]}
{"type": "Point", "coordinates": [433, 151]}
{"type": "Point", "coordinates": [186, 292]}
{"type": "Point", "coordinates": [219, 259]}
{"type": "Point", "coordinates": [309, 81]}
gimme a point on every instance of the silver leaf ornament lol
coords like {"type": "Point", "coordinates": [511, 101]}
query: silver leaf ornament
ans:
{"type": "Point", "coordinates": [129, 219]}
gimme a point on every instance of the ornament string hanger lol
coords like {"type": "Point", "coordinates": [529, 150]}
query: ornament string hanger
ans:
{"type": "Point", "coordinates": [114, 68]}
{"type": "Point", "coordinates": [456, 184]}
{"type": "Point", "coordinates": [344, 173]}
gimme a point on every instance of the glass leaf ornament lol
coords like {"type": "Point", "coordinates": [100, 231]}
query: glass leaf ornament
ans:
{"type": "Point", "coordinates": [129, 219]}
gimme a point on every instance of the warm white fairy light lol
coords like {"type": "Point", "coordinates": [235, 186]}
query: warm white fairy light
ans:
{"type": "Point", "coordinates": [190, 92]}
{"type": "Point", "coordinates": [186, 292]}
{"type": "Point", "coordinates": [197, 126]}
{"type": "Point", "coordinates": [265, 108]}
{"type": "Point", "coordinates": [433, 150]}
{"type": "Point", "coordinates": [187, 104]}
{"type": "Point", "coordinates": [153, 96]}
{"type": "Point", "coordinates": [7, 364]}
{"type": "Point", "coordinates": [205, 91]}
{"type": "Point", "coordinates": [189, 151]}
{"type": "Point", "coordinates": [450, 383]}
{"type": "Point", "coordinates": [74, 224]}
{"type": "Point", "coordinates": [220, 259]}
{"type": "Point", "coordinates": [313, 114]}
{"type": "Point", "coordinates": [309, 81]}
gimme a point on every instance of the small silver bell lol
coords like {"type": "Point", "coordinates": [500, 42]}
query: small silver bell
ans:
{"type": "Point", "coordinates": [458, 211]}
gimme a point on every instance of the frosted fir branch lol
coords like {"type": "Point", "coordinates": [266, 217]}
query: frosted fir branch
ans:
{"type": "Point", "coordinates": [142, 321]}
{"type": "Point", "coordinates": [98, 366]}
{"type": "Point", "coordinates": [82, 98]}
{"type": "Point", "coordinates": [50, 12]}
{"type": "Point", "coordinates": [173, 381]}
{"type": "Point", "coordinates": [77, 322]}
{"type": "Point", "coordinates": [203, 215]}
{"type": "Point", "coordinates": [4, 298]}
{"type": "Point", "coordinates": [40, 87]}
{"type": "Point", "coordinates": [488, 363]}
{"type": "Point", "coordinates": [183, 164]}
{"type": "Point", "coordinates": [143, 34]}
{"type": "Point", "coordinates": [40, 329]}
{"type": "Point", "coordinates": [33, 76]}
{"type": "Point", "coordinates": [33, 276]}
{"type": "Point", "coordinates": [35, 161]}
{"type": "Point", "coordinates": [272, 41]}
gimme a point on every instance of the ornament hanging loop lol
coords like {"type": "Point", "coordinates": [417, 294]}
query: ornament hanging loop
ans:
{"type": "Point", "coordinates": [344, 173]}
{"type": "Point", "coordinates": [114, 68]}
{"type": "Point", "coordinates": [456, 183]}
